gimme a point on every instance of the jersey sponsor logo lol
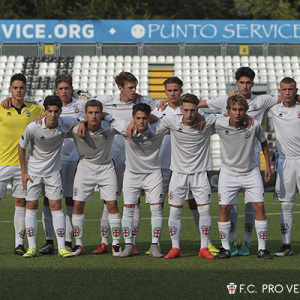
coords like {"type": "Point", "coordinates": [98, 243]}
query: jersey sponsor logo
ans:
{"type": "Point", "coordinates": [227, 132]}
{"type": "Point", "coordinates": [30, 231]}
{"type": "Point", "coordinates": [172, 230]}
{"type": "Point", "coordinates": [280, 115]}
{"type": "Point", "coordinates": [60, 232]}
{"type": "Point", "coordinates": [126, 232]}
{"type": "Point", "coordinates": [9, 114]}
{"type": "Point", "coordinates": [28, 113]}
{"type": "Point", "coordinates": [284, 228]}
{"type": "Point", "coordinates": [223, 235]}
{"type": "Point", "coordinates": [76, 231]}
{"type": "Point", "coordinates": [115, 231]}
{"type": "Point", "coordinates": [248, 227]}
{"type": "Point", "coordinates": [22, 234]}
{"type": "Point", "coordinates": [179, 129]}
{"type": "Point", "coordinates": [42, 138]}
{"type": "Point", "coordinates": [157, 231]}
{"type": "Point", "coordinates": [104, 231]}
{"type": "Point", "coordinates": [205, 229]}
{"type": "Point", "coordinates": [262, 235]}
{"type": "Point", "coordinates": [115, 105]}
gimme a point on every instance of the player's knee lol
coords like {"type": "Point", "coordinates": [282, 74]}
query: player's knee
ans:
{"type": "Point", "coordinates": [20, 202]}
{"type": "Point", "coordinates": [156, 210]}
{"type": "Point", "coordinates": [225, 210]}
{"type": "Point", "coordinates": [32, 204]}
{"type": "Point", "coordinates": [112, 207]}
{"type": "Point", "coordinates": [204, 210]}
{"type": "Point", "coordinates": [78, 207]}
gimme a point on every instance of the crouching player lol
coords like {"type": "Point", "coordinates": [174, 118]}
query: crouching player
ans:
{"type": "Point", "coordinates": [43, 167]}
{"type": "Point", "coordinates": [143, 172]}
{"type": "Point", "coordinates": [240, 170]}
{"type": "Point", "coordinates": [95, 168]}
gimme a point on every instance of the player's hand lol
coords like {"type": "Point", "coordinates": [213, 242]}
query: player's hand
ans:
{"type": "Point", "coordinates": [153, 119]}
{"type": "Point", "coordinates": [130, 129]}
{"type": "Point", "coordinates": [6, 103]}
{"type": "Point", "coordinates": [268, 174]}
{"type": "Point", "coordinates": [232, 93]}
{"type": "Point", "coordinates": [81, 129]}
{"type": "Point", "coordinates": [25, 178]}
{"type": "Point", "coordinates": [162, 105]}
{"type": "Point", "coordinates": [200, 121]}
{"type": "Point", "coordinates": [38, 119]}
{"type": "Point", "coordinates": [249, 121]}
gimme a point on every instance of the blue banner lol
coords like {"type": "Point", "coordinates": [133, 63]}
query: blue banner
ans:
{"type": "Point", "coordinates": [149, 31]}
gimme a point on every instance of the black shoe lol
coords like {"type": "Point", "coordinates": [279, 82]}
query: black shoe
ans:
{"type": "Point", "coordinates": [224, 253]}
{"type": "Point", "coordinates": [285, 250]}
{"type": "Point", "coordinates": [47, 249]}
{"type": "Point", "coordinates": [264, 254]}
{"type": "Point", "coordinates": [20, 250]}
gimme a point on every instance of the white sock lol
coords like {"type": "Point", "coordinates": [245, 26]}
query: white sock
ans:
{"type": "Point", "coordinates": [59, 226]}
{"type": "Point", "coordinates": [78, 223]}
{"type": "Point", "coordinates": [175, 226]}
{"type": "Point", "coordinates": [204, 225]}
{"type": "Point", "coordinates": [286, 221]}
{"type": "Point", "coordinates": [224, 231]}
{"type": "Point", "coordinates": [261, 228]}
{"type": "Point", "coordinates": [115, 225]}
{"type": "Point", "coordinates": [195, 214]}
{"type": "Point", "coordinates": [19, 224]}
{"type": "Point", "coordinates": [233, 219]}
{"type": "Point", "coordinates": [156, 222]}
{"type": "Point", "coordinates": [31, 227]}
{"type": "Point", "coordinates": [127, 224]}
{"type": "Point", "coordinates": [136, 222]}
{"type": "Point", "coordinates": [104, 225]}
{"type": "Point", "coordinates": [69, 225]}
{"type": "Point", "coordinates": [47, 222]}
{"type": "Point", "coordinates": [249, 222]}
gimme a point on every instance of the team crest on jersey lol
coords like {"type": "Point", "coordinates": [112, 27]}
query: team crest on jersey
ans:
{"type": "Point", "coordinates": [205, 229]}
{"type": "Point", "coordinates": [222, 235]}
{"type": "Point", "coordinates": [157, 231]}
{"type": "Point", "coordinates": [105, 136]}
{"type": "Point", "coordinates": [248, 227]}
{"type": "Point", "coordinates": [76, 231]}
{"type": "Point", "coordinates": [76, 109]}
{"type": "Point", "coordinates": [60, 232]}
{"type": "Point", "coordinates": [22, 234]}
{"type": "Point", "coordinates": [104, 231]}
{"type": "Point", "coordinates": [28, 113]}
{"type": "Point", "coordinates": [126, 232]}
{"type": "Point", "coordinates": [30, 231]}
{"type": "Point", "coordinates": [262, 235]}
{"type": "Point", "coordinates": [75, 192]}
{"type": "Point", "coordinates": [284, 228]}
{"type": "Point", "coordinates": [172, 230]}
{"type": "Point", "coordinates": [247, 134]}
{"type": "Point", "coordinates": [115, 231]}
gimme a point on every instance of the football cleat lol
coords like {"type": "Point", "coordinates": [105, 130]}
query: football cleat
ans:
{"type": "Point", "coordinates": [78, 250]}
{"type": "Point", "coordinates": [244, 249]}
{"type": "Point", "coordinates": [285, 250]}
{"type": "Point", "coordinates": [69, 248]}
{"type": "Point", "coordinates": [148, 252]}
{"type": "Point", "coordinates": [174, 253]}
{"type": "Point", "coordinates": [64, 253]}
{"type": "Point", "coordinates": [205, 253]}
{"type": "Point", "coordinates": [101, 249]}
{"type": "Point", "coordinates": [264, 253]}
{"type": "Point", "coordinates": [116, 250]}
{"type": "Point", "coordinates": [31, 252]}
{"type": "Point", "coordinates": [213, 250]}
{"type": "Point", "coordinates": [224, 253]}
{"type": "Point", "coordinates": [234, 247]}
{"type": "Point", "coordinates": [20, 250]}
{"type": "Point", "coordinates": [154, 251]}
{"type": "Point", "coordinates": [134, 250]}
{"type": "Point", "coordinates": [128, 251]}
{"type": "Point", "coordinates": [47, 249]}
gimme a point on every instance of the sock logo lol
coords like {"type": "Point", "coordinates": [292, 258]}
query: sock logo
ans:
{"type": "Point", "coordinates": [115, 231]}
{"type": "Point", "coordinates": [30, 231]}
{"type": "Point", "coordinates": [60, 232]}
{"type": "Point", "coordinates": [263, 235]}
{"type": "Point", "coordinates": [135, 230]}
{"type": "Point", "coordinates": [284, 228]}
{"type": "Point", "coordinates": [126, 232]}
{"type": "Point", "coordinates": [157, 231]}
{"type": "Point", "coordinates": [76, 231]}
{"type": "Point", "coordinates": [104, 231]}
{"type": "Point", "coordinates": [222, 235]}
{"type": "Point", "coordinates": [172, 230]}
{"type": "Point", "coordinates": [205, 229]}
{"type": "Point", "coordinates": [22, 234]}
{"type": "Point", "coordinates": [248, 227]}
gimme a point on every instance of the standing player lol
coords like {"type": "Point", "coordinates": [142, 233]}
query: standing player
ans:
{"type": "Point", "coordinates": [71, 107]}
{"type": "Point", "coordinates": [286, 120]}
{"type": "Point", "coordinates": [95, 168]}
{"type": "Point", "coordinates": [121, 105]}
{"type": "Point", "coordinates": [240, 170]}
{"type": "Point", "coordinates": [143, 172]}
{"type": "Point", "coordinates": [190, 160]}
{"type": "Point", "coordinates": [13, 122]}
{"type": "Point", "coordinates": [43, 168]}
{"type": "Point", "coordinates": [258, 105]}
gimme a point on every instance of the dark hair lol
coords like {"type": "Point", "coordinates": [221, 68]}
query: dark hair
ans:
{"type": "Point", "coordinates": [288, 80]}
{"type": "Point", "coordinates": [141, 107]}
{"type": "Point", "coordinates": [173, 80]}
{"type": "Point", "coordinates": [93, 102]}
{"type": "Point", "coordinates": [124, 77]}
{"type": "Point", "coordinates": [189, 98]}
{"type": "Point", "coordinates": [19, 77]}
{"type": "Point", "coordinates": [52, 100]}
{"type": "Point", "coordinates": [63, 78]}
{"type": "Point", "coordinates": [244, 71]}
{"type": "Point", "coordinates": [240, 100]}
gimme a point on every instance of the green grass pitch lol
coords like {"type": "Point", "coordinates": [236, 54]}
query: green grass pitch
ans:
{"type": "Point", "coordinates": [142, 277]}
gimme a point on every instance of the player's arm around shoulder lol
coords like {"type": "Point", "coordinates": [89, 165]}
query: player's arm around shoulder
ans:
{"type": "Point", "coordinates": [117, 123]}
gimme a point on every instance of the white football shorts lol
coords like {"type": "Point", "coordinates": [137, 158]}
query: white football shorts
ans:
{"type": "Point", "coordinates": [11, 174]}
